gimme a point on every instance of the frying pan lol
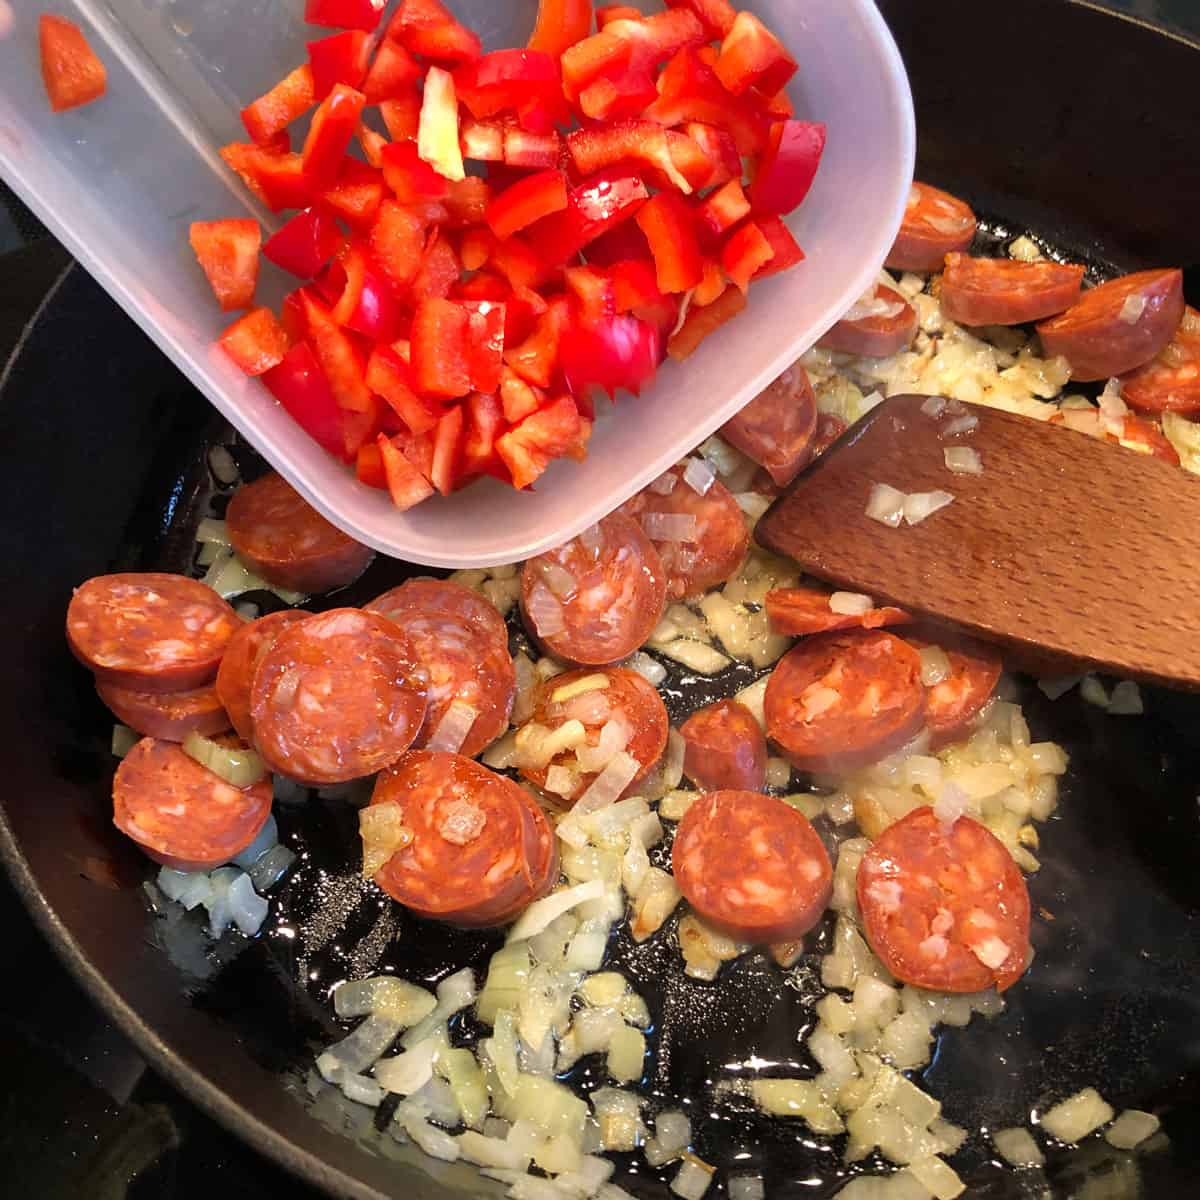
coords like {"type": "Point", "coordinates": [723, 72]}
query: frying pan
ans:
{"type": "Point", "coordinates": [1056, 118]}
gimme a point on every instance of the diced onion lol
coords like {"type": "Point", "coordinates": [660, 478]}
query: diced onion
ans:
{"type": "Point", "coordinates": [669, 527]}
{"type": "Point", "coordinates": [589, 683]}
{"type": "Point", "coordinates": [964, 424]}
{"type": "Point", "coordinates": [221, 463]}
{"type": "Point", "coordinates": [674, 805]}
{"type": "Point", "coordinates": [919, 506]}
{"type": "Point", "coordinates": [561, 781]}
{"type": "Point", "coordinates": [1092, 690]}
{"type": "Point", "coordinates": [558, 579]}
{"type": "Point", "coordinates": [213, 532]}
{"type": "Point", "coordinates": [123, 740]}
{"type": "Point", "coordinates": [801, 1098]}
{"type": "Point", "coordinates": [452, 730]}
{"type": "Point", "coordinates": [586, 951]}
{"type": "Point", "coordinates": [1056, 688]}
{"type": "Point", "coordinates": [1017, 1147]}
{"type": "Point", "coordinates": [779, 773]}
{"type": "Point", "coordinates": [410, 1070]}
{"type": "Point", "coordinates": [753, 504]}
{"type": "Point", "coordinates": [541, 912]}
{"type": "Point", "coordinates": [746, 1187]}
{"type": "Point", "coordinates": [626, 1055]}
{"type": "Point", "coordinates": [433, 1141]}
{"type": "Point", "coordinates": [383, 833]}
{"type": "Point", "coordinates": [617, 1114]}
{"type": "Point", "coordinates": [963, 460]}
{"type": "Point", "coordinates": [268, 836]}
{"type": "Point", "coordinates": [504, 753]}
{"type": "Point", "coordinates": [693, 1178]}
{"type": "Point", "coordinates": [358, 1051]}
{"type": "Point", "coordinates": [545, 612]}
{"type": "Point", "coordinates": [935, 666]}
{"type": "Point", "coordinates": [1077, 1116]}
{"type": "Point", "coordinates": [189, 888]}
{"type": "Point", "coordinates": [850, 604]}
{"type": "Point", "coordinates": [752, 698]}
{"type": "Point", "coordinates": [934, 407]}
{"type": "Point", "coordinates": [654, 903]}
{"type": "Point", "coordinates": [886, 505]}
{"type": "Point", "coordinates": [1132, 309]}
{"type": "Point", "coordinates": [704, 660]}
{"type": "Point", "coordinates": [937, 1177]}
{"type": "Point", "coordinates": [1126, 700]}
{"type": "Point", "coordinates": [387, 996]}
{"type": "Point", "coordinates": [361, 1090]}
{"type": "Point", "coordinates": [664, 485]}
{"type": "Point", "coordinates": [648, 668]}
{"type": "Point", "coordinates": [607, 787]}
{"type": "Point", "coordinates": [699, 475]}
{"type": "Point", "coordinates": [1131, 1128]}
{"type": "Point", "coordinates": [239, 766]}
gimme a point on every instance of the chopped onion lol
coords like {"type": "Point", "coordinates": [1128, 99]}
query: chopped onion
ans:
{"type": "Point", "coordinates": [453, 728]}
{"type": "Point", "coordinates": [964, 424]}
{"type": "Point", "coordinates": [626, 1055]}
{"type": "Point", "coordinates": [268, 836]}
{"type": "Point", "coordinates": [1017, 1147]}
{"type": "Point", "coordinates": [648, 668]}
{"type": "Point", "coordinates": [239, 766]}
{"type": "Point", "coordinates": [503, 753]}
{"type": "Point", "coordinates": [934, 407]}
{"type": "Point", "coordinates": [664, 485]}
{"type": "Point", "coordinates": [586, 951]}
{"type": "Point", "coordinates": [746, 1187]}
{"type": "Point", "coordinates": [1092, 690]}
{"type": "Point", "coordinates": [692, 1179]}
{"type": "Point", "coordinates": [362, 1048]}
{"type": "Point", "coordinates": [1132, 309]}
{"type": "Point", "coordinates": [669, 527]}
{"type": "Point", "coordinates": [801, 1098]}
{"type": "Point", "coordinates": [454, 993]}
{"type": "Point", "coordinates": [189, 888]}
{"type": "Point", "coordinates": [935, 666]}
{"type": "Point", "coordinates": [779, 773]}
{"type": "Point", "coordinates": [247, 908]}
{"type": "Point", "coordinates": [753, 505]}
{"type": "Point", "coordinates": [527, 682]}
{"type": "Point", "coordinates": [654, 903]}
{"type": "Point", "coordinates": [362, 1090]}
{"type": "Point", "coordinates": [545, 612]}
{"type": "Point", "coordinates": [699, 657]}
{"type": "Point", "coordinates": [589, 683]}
{"type": "Point", "coordinates": [410, 1070]}
{"type": "Point", "coordinates": [541, 912]}
{"type": "Point", "coordinates": [1056, 688]}
{"type": "Point", "coordinates": [699, 475]}
{"type": "Point", "coordinates": [918, 506]}
{"type": "Point", "coordinates": [937, 1177]}
{"type": "Point", "coordinates": [618, 1115]}
{"type": "Point", "coordinates": [123, 740]}
{"type": "Point", "coordinates": [1131, 1128]}
{"type": "Point", "coordinates": [672, 767]}
{"type": "Point", "coordinates": [387, 996]}
{"type": "Point", "coordinates": [886, 505]}
{"type": "Point", "coordinates": [752, 698]}
{"type": "Point", "coordinates": [1077, 1116]}
{"type": "Point", "coordinates": [674, 805]}
{"type": "Point", "coordinates": [383, 833]}
{"type": "Point", "coordinates": [607, 787]}
{"type": "Point", "coordinates": [212, 531]}
{"type": "Point", "coordinates": [437, 1143]}
{"type": "Point", "coordinates": [561, 781]}
{"type": "Point", "coordinates": [850, 604]}
{"type": "Point", "coordinates": [963, 460]}
{"type": "Point", "coordinates": [221, 464]}
{"type": "Point", "coordinates": [217, 901]}
{"type": "Point", "coordinates": [1126, 700]}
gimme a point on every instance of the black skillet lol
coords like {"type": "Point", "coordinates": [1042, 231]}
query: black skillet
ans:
{"type": "Point", "coordinates": [1051, 117]}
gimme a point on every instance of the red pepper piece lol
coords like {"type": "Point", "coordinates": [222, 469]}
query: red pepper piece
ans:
{"type": "Point", "coordinates": [518, 398]}
{"type": "Point", "coordinates": [617, 352]}
{"type": "Point", "coordinates": [536, 358]}
{"type": "Point", "coordinates": [357, 194]}
{"type": "Point", "coordinates": [711, 285]}
{"type": "Point", "coordinates": [788, 166]}
{"type": "Point", "coordinates": [467, 202]}
{"type": "Point", "coordinates": [281, 143]}
{"type": "Point", "coordinates": [621, 95]}
{"type": "Point", "coordinates": [616, 12]}
{"type": "Point", "coordinates": [635, 283]}
{"type": "Point", "coordinates": [560, 24]}
{"type": "Point", "coordinates": [428, 28]}
{"type": "Point", "coordinates": [372, 144]}
{"type": "Point", "coordinates": [72, 73]}
{"type": "Point", "coordinates": [719, 146]}
{"type": "Point", "coordinates": [509, 81]}
{"type": "Point", "coordinates": [368, 466]}
{"type": "Point", "coordinates": [402, 116]}
{"type": "Point", "coordinates": [306, 243]}
{"type": "Point", "coordinates": [690, 160]}
{"type": "Point", "coordinates": [533, 198]}
{"type": "Point", "coordinates": [593, 294]}
{"type": "Point", "coordinates": [417, 448]}
{"type": "Point", "coordinates": [272, 112]}
{"type": "Point", "coordinates": [670, 228]}
{"type": "Point", "coordinates": [330, 284]}
{"type": "Point", "coordinates": [596, 207]}
{"type": "Point", "coordinates": [595, 57]}
{"type": "Point", "coordinates": [522, 310]}
{"type": "Point", "coordinates": [516, 259]}
{"type": "Point", "coordinates": [779, 105]}
{"type": "Point", "coordinates": [533, 151]}
{"type": "Point", "coordinates": [484, 422]}
{"type": "Point", "coordinates": [722, 210]}
{"type": "Point", "coordinates": [367, 303]}
{"type": "Point", "coordinates": [391, 378]}
{"type": "Point", "coordinates": [361, 428]}
{"type": "Point", "coordinates": [483, 285]}
{"type": "Point", "coordinates": [485, 343]}
{"type": "Point", "coordinates": [281, 180]}
{"type": "Point", "coordinates": [663, 314]}
{"type": "Point", "coordinates": [439, 348]}
{"type": "Point", "coordinates": [745, 253]}
{"type": "Point", "coordinates": [341, 58]}
{"type": "Point", "coordinates": [394, 72]}
{"type": "Point", "coordinates": [482, 141]}
{"type": "Point", "coordinates": [787, 249]}
{"type": "Point", "coordinates": [397, 243]}
{"type": "Point", "coordinates": [556, 430]}
{"type": "Point", "coordinates": [337, 355]}
{"type": "Point", "coordinates": [300, 386]}
{"type": "Point", "coordinates": [410, 177]}
{"type": "Point", "coordinates": [333, 126]}
{"type": "Point", "coordinates": [406, 484]}
{"type": "Point", "coordinates": [292, 318]}
{"type": "Point", "coordinates": [701, 322]}
{"type": "Point", "coordinates": [345, 14]}
{"type": "Point", "coordinates": [256, 342]}
{"type": "Point", "coordinates": [447, 451]}
{"type": "Point", "coordinates": [228, 253]}
{"type": "Point", "coordinates": [641, 142]}
{"type": "Point", "coordinates": [717, 16]}
{"type": "Point", "coordinates": [752, 56]}
{"type": "Point", "coordinates": [439, 271]}
{"type": "Point", "coordinates": [618, 244]}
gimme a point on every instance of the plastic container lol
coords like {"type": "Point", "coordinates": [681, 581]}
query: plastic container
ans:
{"type": "Point", "coordinates": [119, 181]}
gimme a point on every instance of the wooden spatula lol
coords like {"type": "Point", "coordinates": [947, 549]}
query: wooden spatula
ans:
{"type": "Point", "coordinates": [1067, 547]}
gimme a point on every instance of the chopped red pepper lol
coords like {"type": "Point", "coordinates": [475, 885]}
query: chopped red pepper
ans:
{"type": "Point", "coordinates": [402, 116]}
{"type": "Point", "coordinates": [722, 153]}
{"type": "Point", "coordinates": [439, 271]}
{"type": "Point", "coordinates": [519, 263]}
{"type": "Point", "coordinates": [711, 285]}
{"type": "Point", "coordinates": [345, 14]}
{"type": "Point", "coordinates": [228, 253]}
{"type": "Point", "coordinates": [290, 98]}
{"type": "Point", "coordinates": [518, 398]}
{"type": "Point", "coordinates": [337, 355]}
{"type": "Point", "coordinates": [368, 466]}
{"type": "Point", "coordinates": [787, 249]}
{"type": "Point", "coordinates": [602, 54]}
{"type": "Point", "coordinates": [447, 451]}
{"type": "Point", "coordinates": [641, 142]}
{"type": "Point", "coordinates": [292, 318]}
{"type": "Point", "coordinates": [560, 24]}
{"type": "Point", "coordinates": [779, 105]}
{"type": "Point", "coordinates": [745, 253]}
{"type": "Point", "coordinates": [410, 177]}
{"type": "Point", "coordinates": [300, 386]}
{"type": "Point", "coordinates": [393, 73]}
{"type": "Point", "coordinates": [360, 428]}
{"type": "Point", "coordinates": [717, 16]}
{"type": "Point", "coordinates": [485, 343]}
{"type": "Point", "coordinates": [72, 73]}
{"type": "Point", "coordinates": [482, 141]}
{"type": "Point", "coordinates": [306, 243]}
{"type": "Point", "coordinates": [341, 58]}
{"type": "Point", "coordinates": [484, 424]}
{"type": "Point", "coordinates": [467, 201]}
{"type": "Point", "coordinates": [700, 322]}
{"type": "Point", "coordinates": [722, 210]}
{"type": "Point", "coordinates": [397, 243]}
{"type": "Point", "coordinates": [670, 228]}
{"type": "Point", "coordinates": [525, 82]}
{"type": "Point", "coordinates": [428, 28]}
{"type": "Point", "coordinates": [367, 303]}
{"type": "Point", "coordinates": [690, 160]}
{"type": "Point", "coordinates": [405, 483]}
{"type": "Point", "coordinates": [554, 431]}
{"type": "Point", "coordinates": [372, 144]}
{"type": "Point", "coordinates": [391, 378]}
{"type": "Point", "coordinates": [596, 207]}
{"type": "Point", "coordinates": [534, 151]}
{"type": "Point", "coordinates": [333, 126]}
{"type": "Point", "coordinates": [788, 166]}
{"type": "Point", "coordinates": [279, 179]}
{"type": "Point", "coordinates": [256, 342]}
{"type": "Point", "coordinates": [439, 348]}
{"type": "Point", "coordinates": [625, 94]}
{"type": "Point", "coordinates": [593, 294]}
{"type": "Point", "coordinates": [535, 197]}
{"type": "Point", "coordinates": [618, 244]}
{"type": "Point", "coordinates": [357, 194]}
{"type": "Point", "coordinates": [635, 283]}
{"type": "Point", "coordinates": [617, 352]}
{"type": "Point", "coordinates": [536, 358]}
{"type": "Point", "coordinates": [616, 12]}
{"type": "Point", "coordinates": [752, 56]}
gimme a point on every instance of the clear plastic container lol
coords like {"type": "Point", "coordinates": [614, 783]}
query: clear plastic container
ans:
{"type": "Point", "coordinates": [119, 181]}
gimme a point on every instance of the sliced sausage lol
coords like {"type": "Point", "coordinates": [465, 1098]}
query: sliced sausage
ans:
{"type": "Point", "coordinates": [1118, 326]}
{"type": "Point", "coordinates": [842, 700]}
{"type": "Point", "coordinates": [944, 906]}
{"type": "Point", "coordinates": [726, 749]}
{"type": "Point", "coordinates": [951, 706]}
{"type": "Point", "coordinates": [879, 328]}
{"type": "Point", "coordinates": [462, 645]}
{"type": "Point", "coordinates": [278, 534]}
{"type": "Point", "coordinates": [152, 632]}
{"type": "Point", "coordinates": [1170, 382]}
{"type": "Point", "coordinates": [752, 866]}
{"type": "Point", "coordinates": [800, 611]}
{"type": "Point", "coordinates": [628, 702]}
{"type": "Point", "coordinates": [776, 428]}
{"type": "Point", "coordinates": [935, 224]}
{"type": "Point", "coordinates": [829, 429]}
{"type": "Point", "coordinates": [597, 598]}
{"type": "Point", "coordinates": [715, 539]}
{"type": "Point", "coordinates": [167, 715]}
{"type": "Point", "coordinates": [482, 850]}
{"type": "Point", "coordinates": [336, 697]}
{"type": "Point", "coordinates": [1141, 432]}
{"type": "Point", "coordinates": [236, 673]}
{"type": "Point", "coordinates": [182, 814]}
{"type": "Point", "coordinates": [1002, 291]}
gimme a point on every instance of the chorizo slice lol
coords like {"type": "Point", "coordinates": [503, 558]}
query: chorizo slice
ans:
{"type": "Point", "coordinates": [1118, 326]}
{"type": "Point", "coordinates": [752, 866]}
{"type": "Point", "coordinates": [842, 700]}
{"type": "Point", "coordinates": [182, 814]}
{"type": "Point", "coordinates": [725, 748]}
{"type": "Point", "coordinates": [800, 611]}
{"type": "Point", "coordinates": [170, 716]}
{"type": "Point", "coordinates": [1003, 291]}
{"type": "Point", "coordinates": [596, 599]}
{"type": "Point", "coordinates": [337, 696]}
{"type": "Point", "coordinates": [876, 327]}
{"type": "Point", "coordinates": [776, 428]}
{"type": "Point", "coordinates": [236, 672]}
{"type": "Point", "coordinates": [278, 534]}
{"type": "Point", "coordinates": [461, 643]}
{"type": "Point", "coordinates": [478, 853]}
{"type": "Point", "coordinates": [954, 702]}
{"type": "Point", "coordinates": [935, 224]}
{"type": "Point", "coordinates": [944, 906]}
{"type": "Point", "coordinates": [151, 632]}
{"type": "Point", "coordinates": [701, 539]}
{"type": "Point", "coordinates": [829, 429]}
{"type": "Point", "coordinates": [1170, 382]}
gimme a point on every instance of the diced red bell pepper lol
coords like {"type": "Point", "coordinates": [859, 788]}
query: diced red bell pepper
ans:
{"type": "Point", "coordinates": [690, 160]}
{"type": "Point", "coordinates": [476, 249]}
{"type": "Point", "coordinates": [360, 429]}
{"type": "Point", "coordinates": [520, 263]}
{"type": "Point", "coordinates": [787, 167]}
{"type": "Point", "coordinates": [616, 12]}
{"type": "Point", "coordinates": [670, 228]}
{"type": "Point", "coordinates": [439, 348]}
{"type": "Point", "coordinates": [281, 143]}
{"type": "Point", "coordinates": [402, 116]}
{"type": "Point", "coordinates": [554, 431]}
{"type": "Point", "coordinates": [228, 254]}
{"type": "Point", "coordinates": [512, 81]}
{"type": "Point", "coordinates": [405, 483]}
{"type": "Point", "coordinates": [330, 284]}
{"type": "Point", "coordinates": [536, 358]}
{"type": "Point", "coordinates": [279, 179]}
{"type": "Point", "coordinates": [256, 342]}
{"type": "Point", "coordinates": [560, 24]}
{"type": "Point", "coordinates": [428, 28]}
{"type": "Point", "coordinates": [292, 318]}
{"type": "Point", "coordinates": [272, 112]}
{"type": "Point", "coordinates": [593, 294]}
{"type": "Point", "coordinates": [482, 141]}
{"type": "Point", "coordinates": [439, 271]}
{"type": "Point", "coordinates": [333, 125]}
{"type": "Point", "coordinates": [372, 144]}
{"type": "Point", "coordinates": [752, 56]}
{"type": "Point", "coordinates": [300, 386]}
{"type": "Point", "coordinates": [717, 16]}
{"type": "Point", "coordinates": [483, 285]}
{"type": "Point", "coordinates": [394, 72]}
{"type": "Point", "coordinates": [598, 206]}
{"type": "Point", "coordinates": [641, 142]}
{"type": "Point", "coordinates": [532, 151]}
{"type": "Point", "coordinates": [391, 378]}
{"type": "Point", "coordinates": [623, 96]}
{"type": "Point", "coordinates": [341, 58]}
{"type": "Point", "coordinates": [595, 57]}
{"type": "Point", "coordinates": [484, 422]}
{"type": "Point", "coordinates": [719, 146]}
{"type": "Point", "coordinates": [72, 73]}
{"type": "Point", "coordinates": [518, 398]}
{"type": "Point", "coordinates": [345, 14]}
{"type": "Point", "coordinates": [368, 466]}
{"type": "Point", "coordinates": [700, 322]}
{"type": "Point", "coordinates": [447, 451]}
{"type": "Point", "coordinates": [437, 131]}
{"type": "Point", "coordinates": [410, 177]}
{"type": "Point", "coordinates": [398, 243]}
{"type": "Point", "coordinates": [337, 355]}
{"type": "Point", "coordinates": [622, 242]}
{"type": "Point", "coordinates": [467, 202]}
{"type": "Point", "coordinates": [779, 105]}
{"type": "Point", "coordinates": [663, 314]}
{"type": "Point", "coordinates": [357, 194]}
{"type": "Point", "coordinates": [745, 253]}
{"type": "Point", "coordinates": [367, 303]}
{"type": "Point", "coordinates": [711, 285]}
{"type": "Point", "coordinates": [417, 448]}
{"type": "Point", "coordinates": [635, 282]}
{"type": "Point", "coordinates": [722, 210]}
{"type": "Point", "coordinates": [787, 249]}
{"type": "Point", "coordinates": [305, 243]}
{"type": "Point", "coordinates": [617, 352]}
{"type": "Point", "coordinates": [485, 343]}
{"type": "Point", "coordinates": [708, 55]}
{"type": "Point", "coordinates": [519, 206]}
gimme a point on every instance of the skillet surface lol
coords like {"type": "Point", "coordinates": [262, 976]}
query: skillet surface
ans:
{"type": "Point", "coordinates": [106, 468]}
